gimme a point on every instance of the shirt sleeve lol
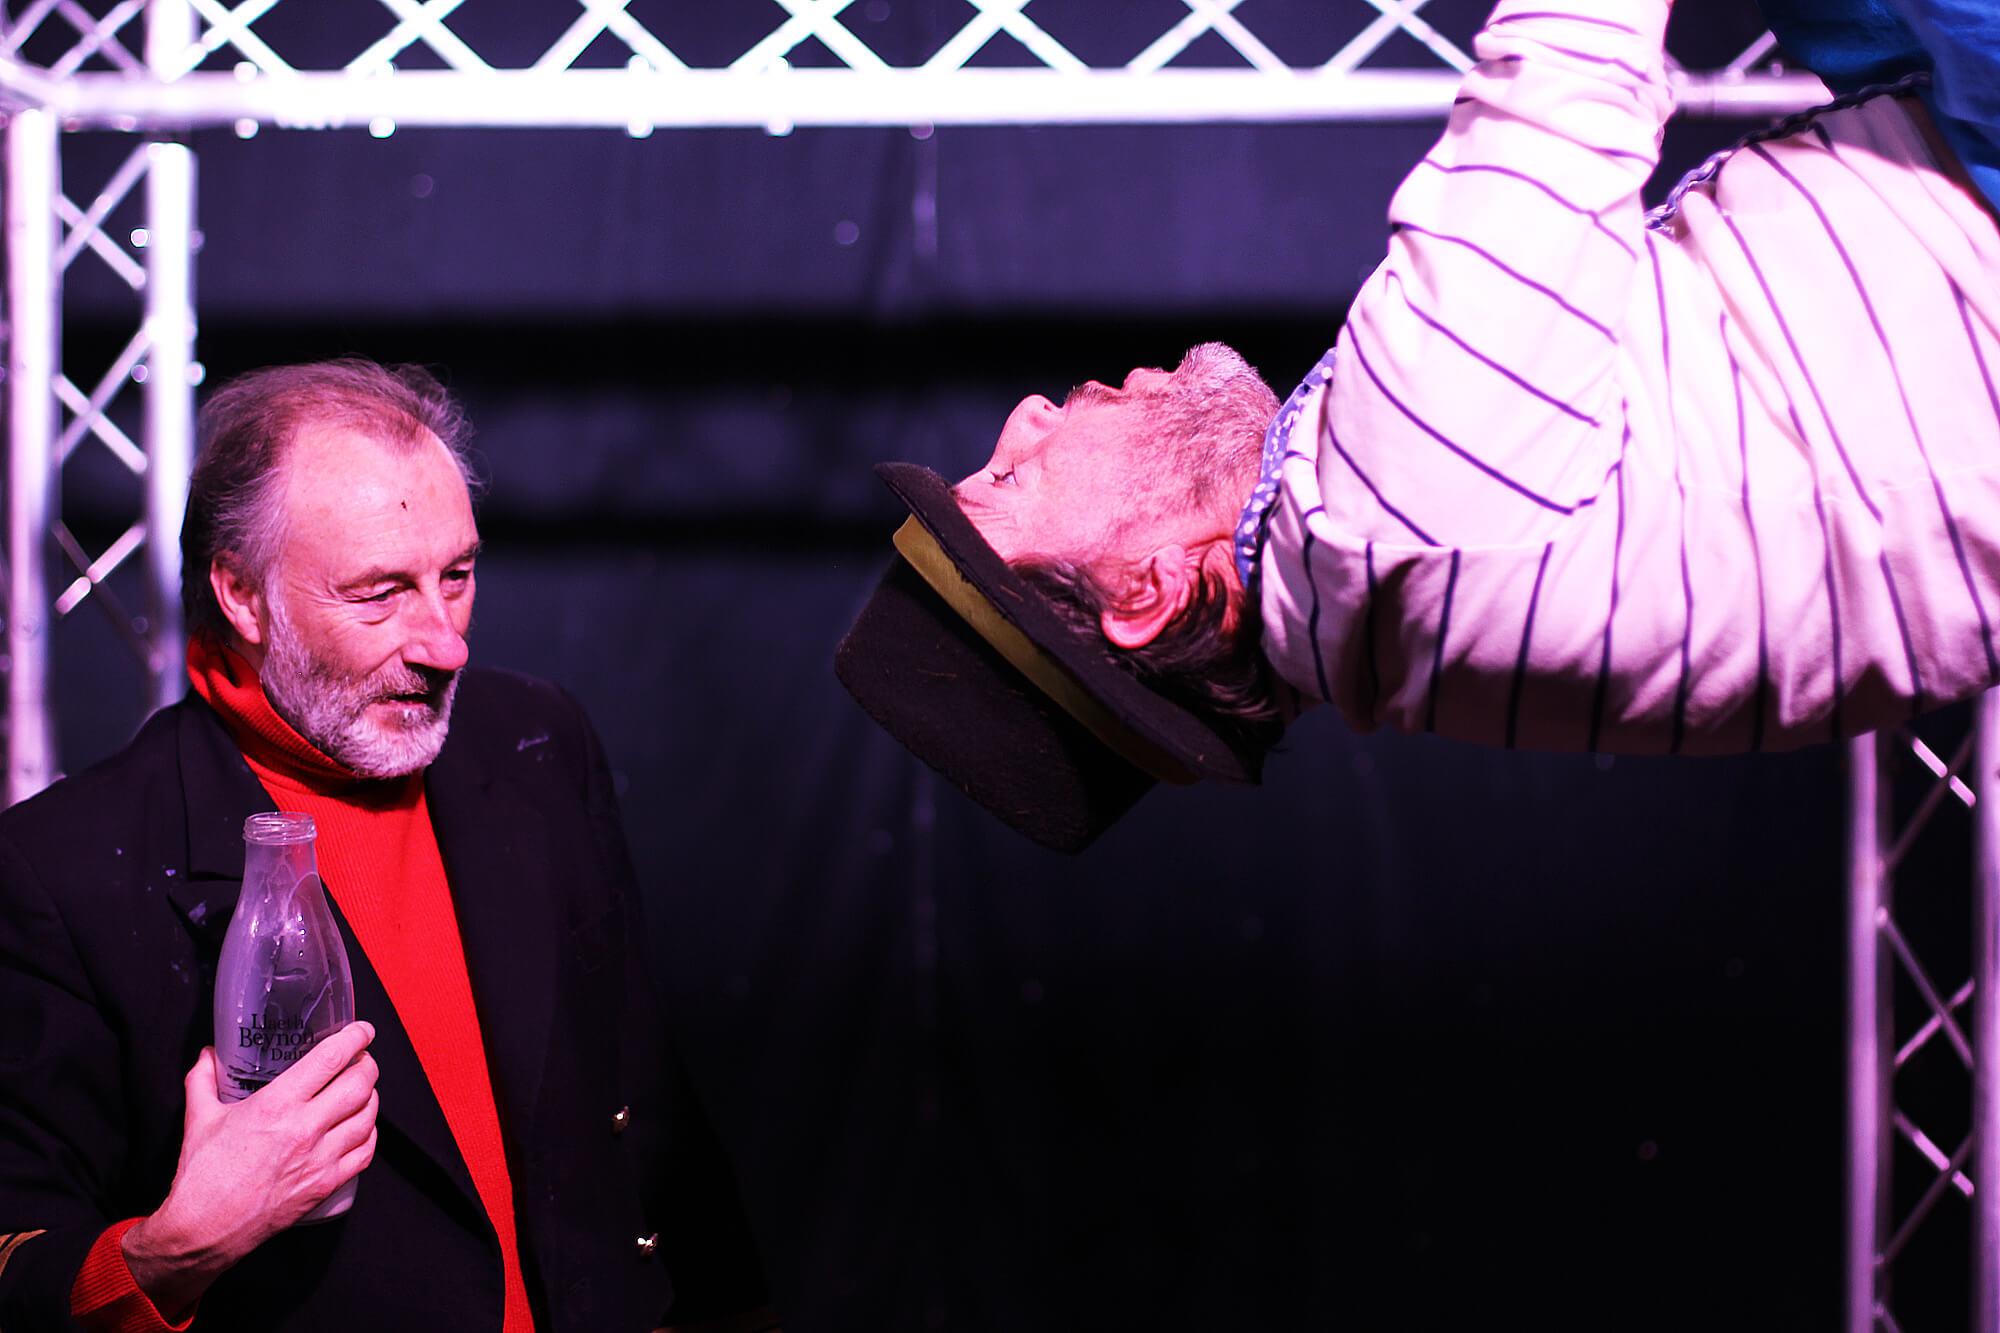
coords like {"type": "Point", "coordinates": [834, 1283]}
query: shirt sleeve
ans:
{"type": "Point", "coordinates": [106, 1299]}
{"type": "Point", "coordinates": [1725, 478]}
{"type": "Point", "coordinates": [1473, 408]}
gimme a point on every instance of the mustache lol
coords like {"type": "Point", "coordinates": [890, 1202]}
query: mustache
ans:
{"type": "Point", "coordinates": [1083, 395]}
{"type": "Point", "coordinates": [427, 683]}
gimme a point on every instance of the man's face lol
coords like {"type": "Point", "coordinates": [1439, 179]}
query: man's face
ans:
{"type": "Point", "coordinates": [1111, 474]}
{"type": "Point", "coordinates": [1066, 479]}
{"type": "Point", "coordinates": [367, 604]}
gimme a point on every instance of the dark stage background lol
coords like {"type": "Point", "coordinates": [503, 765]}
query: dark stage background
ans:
{"type": "Point", "coordinates": [1419, 1036]}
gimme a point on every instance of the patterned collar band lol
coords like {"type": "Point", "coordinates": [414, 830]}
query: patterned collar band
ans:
{"type": "Point", "coordinates": [1256, 519]}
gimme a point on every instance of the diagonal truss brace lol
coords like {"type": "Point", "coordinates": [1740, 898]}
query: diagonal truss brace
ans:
{"type": "Point", "coordinates": [46, 233]}
{"type": "Point", "coordinates": [760, 88]}
{"type": "Point", "coordinates": [1968, 1022]}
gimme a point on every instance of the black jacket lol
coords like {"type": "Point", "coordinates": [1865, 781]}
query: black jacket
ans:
{"type": "Point", "coordinates": [115, 888]}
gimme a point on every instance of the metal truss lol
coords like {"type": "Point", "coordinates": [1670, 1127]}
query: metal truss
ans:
{"type": "Point", "coordinates": [159, 67]}
{"type": "Point", "coordinates": [1924, 1011]}
{"type": "Point", "coordinates": [53, 412]}
{"type": "Point", "coordinates": [605, 67]}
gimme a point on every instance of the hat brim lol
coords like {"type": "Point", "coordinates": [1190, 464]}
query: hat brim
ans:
{"type": "Point", "coordinates": [954, 699]}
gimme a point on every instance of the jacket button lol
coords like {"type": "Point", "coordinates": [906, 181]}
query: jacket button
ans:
{"type": "Point", "coordinates": [621, 1118]}
{"type": "Point", "coordinates": [647, 1244]}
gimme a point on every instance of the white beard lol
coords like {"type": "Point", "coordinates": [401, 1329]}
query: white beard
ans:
{"type": "Point", "coordinates": [333, 710]}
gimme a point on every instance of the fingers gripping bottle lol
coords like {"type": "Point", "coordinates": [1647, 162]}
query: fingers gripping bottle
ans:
{"type": "Point", "coordinates": [283, 982]}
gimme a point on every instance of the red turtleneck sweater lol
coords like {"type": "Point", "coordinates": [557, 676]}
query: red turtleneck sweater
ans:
{"type": "Point", "coordinates": [379, 858]}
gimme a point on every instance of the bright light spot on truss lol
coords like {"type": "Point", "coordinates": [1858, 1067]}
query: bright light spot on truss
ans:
{"type": "Point", "coordinates": [381, 127]}
{"type": "Point", "coordinates": [922, 132]}
{"type": "Point", "coordinates": [139, 373]}
{"type": "Point", "coordinates": [138, 238]}
{"type": "Point", "coordinates": [246, 128]}
{"type": "Point", "coordinates": [197, 372]}
{"type": "Point", "coordinates": [640, 129]}
{"type": "Point", "coordinates": [778, 129]}
{"type": "Point", "coordinates": [246, 71]}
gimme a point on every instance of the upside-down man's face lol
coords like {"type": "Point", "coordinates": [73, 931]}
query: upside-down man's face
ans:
{"type": "Point", "coordinates": [1139, 486]}
{"type": "Point", "coordinates": [1074, 481]}
{"type": "Point", "coordinates": [1111, 474]}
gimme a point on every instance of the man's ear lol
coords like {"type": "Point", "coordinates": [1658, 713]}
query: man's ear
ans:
{"type": "Point", "coordinates": [1154, 593]}
{"type": "Point", "coordinates": [242, 600]}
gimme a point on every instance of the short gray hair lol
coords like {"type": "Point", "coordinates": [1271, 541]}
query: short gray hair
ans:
{"type": "Point", "coordinates": [246, 432]}
{"type": "Point", "coordinates": [1210, 418]}
{"type": "Point", "coordinates": [1208, 421]}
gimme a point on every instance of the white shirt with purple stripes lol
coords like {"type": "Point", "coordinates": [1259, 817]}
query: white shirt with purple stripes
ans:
{"type": "Point", "coordinates": [1727, 482]}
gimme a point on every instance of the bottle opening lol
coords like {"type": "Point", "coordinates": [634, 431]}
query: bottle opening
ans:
{"type": "Point", "coordinates": [278, 827]}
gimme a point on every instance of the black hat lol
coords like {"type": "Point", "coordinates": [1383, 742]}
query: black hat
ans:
{"type": "Point", "coordinates": [958, 658]}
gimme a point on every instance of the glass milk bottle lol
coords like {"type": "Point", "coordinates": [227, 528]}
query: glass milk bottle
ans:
{"type": "Point", "coordinates": [283, 981]}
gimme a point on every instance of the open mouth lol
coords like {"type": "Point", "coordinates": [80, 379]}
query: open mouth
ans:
{"type": "Point", "coordinates": [412, 699]}
{"type": "Point", "coordinates": [417, 692]}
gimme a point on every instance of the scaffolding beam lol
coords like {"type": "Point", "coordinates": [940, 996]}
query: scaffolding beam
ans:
{"type": "Point", "coordinates": [33, 359]}
{"type": "Point", "coordinates": [783, 98]}
{"type": "Point", "coordinates": [205, 67]}
{"type": "Point", "coordinates": [1986, 1019]}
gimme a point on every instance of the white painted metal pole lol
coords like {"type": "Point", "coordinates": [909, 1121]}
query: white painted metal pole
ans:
{"type": "Point", "coordinates": [716, 98]}
{"type": "Point", "coordinates": [170, 366]}
{"type": "Point", "coordinates": [169, 35]}
{"type": "Point", "coordinates": [1986, 1019]}
{"type": "Point", "coordinates": [1867, 1050]}
{"type": "Point", "coordinates": [169, 394]}
{"type": "Point", "coordinates": [33, 354]}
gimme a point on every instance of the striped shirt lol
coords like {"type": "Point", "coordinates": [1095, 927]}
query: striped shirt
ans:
{"type": "Point", "coordinates": [1730, 481]}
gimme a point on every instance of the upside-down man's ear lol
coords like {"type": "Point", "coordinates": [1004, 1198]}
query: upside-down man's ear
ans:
{"type": "Point", "coordinates": [241, 599]}
{"type": "Point", "coordinates": [1154, 593]}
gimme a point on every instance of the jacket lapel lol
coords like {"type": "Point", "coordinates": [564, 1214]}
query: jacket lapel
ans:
{"type": "Point", "coordinates": [221, 793]}
{"type": "Point", "coordinates": [498, 858]}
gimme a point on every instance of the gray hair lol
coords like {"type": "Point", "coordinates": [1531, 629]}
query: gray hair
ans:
{"type": "Point", "coordinates": [246, 431]}
{"type": "Point", "coordinates": [1210, 418]}
{"type": "Point", "coordinates": [1208, 422]}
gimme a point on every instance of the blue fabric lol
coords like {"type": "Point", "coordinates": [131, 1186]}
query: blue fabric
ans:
{"type": "Point", "coordinates": [1250, 528]}
{"type": "Point", "coordinates": [1848, 43]}
{"type": "Point", "coordinates": [1853, 43]}
{"type": "Point", "coordinates": [1963, 38]}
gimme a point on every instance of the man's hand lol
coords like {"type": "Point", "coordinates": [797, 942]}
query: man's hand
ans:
{"type": "Point", "coordinates": [250, 1169]}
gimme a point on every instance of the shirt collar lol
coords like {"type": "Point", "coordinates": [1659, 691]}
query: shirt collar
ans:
{"type": "Point", "coordinates": [1256, 519]}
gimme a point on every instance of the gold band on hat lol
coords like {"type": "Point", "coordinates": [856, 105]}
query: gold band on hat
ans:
{"type": "Point", "coordinates": [921, 549]}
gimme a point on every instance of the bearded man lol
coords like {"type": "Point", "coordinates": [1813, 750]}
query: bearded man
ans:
{"type": "Point", "coordinates": [1725, 476]}
{"type": "Point", "coordinates": [531, 1157]}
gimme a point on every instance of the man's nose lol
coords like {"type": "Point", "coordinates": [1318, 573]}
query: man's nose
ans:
{"type": "Point", "coordinates": [434, 633]}
{"type": "Point", "coordinates": [1039, 410]}
{"type": "Point", "coordinates": [1028, 424]}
